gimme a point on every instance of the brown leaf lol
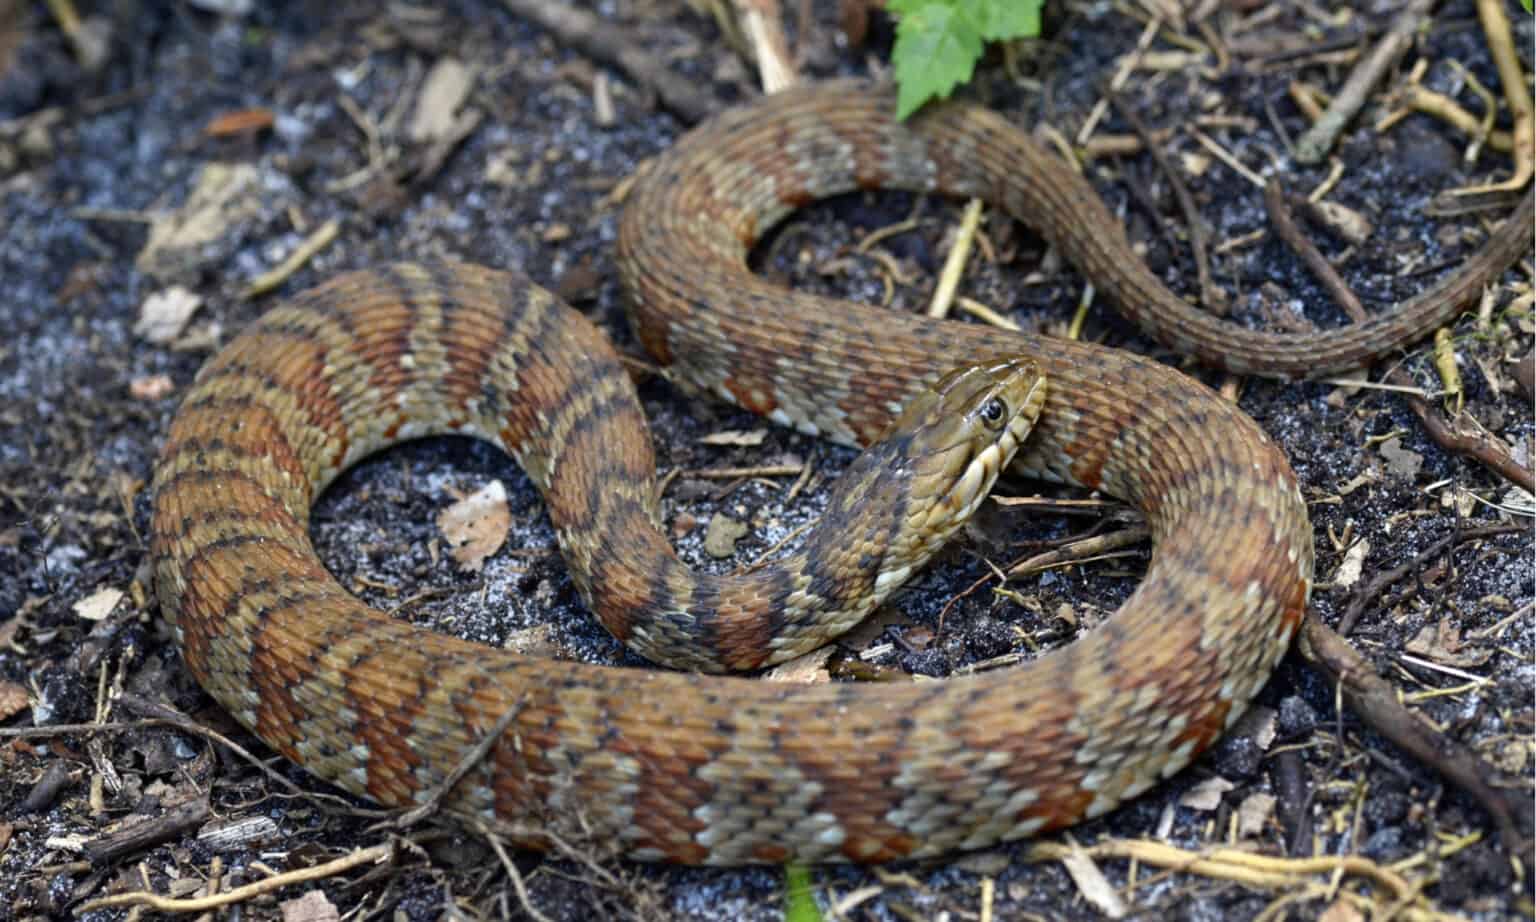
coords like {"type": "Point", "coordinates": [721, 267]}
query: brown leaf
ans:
{"type": "Point", "coordinates": [313, 906]}
{"type": "Point", "coordinates": [13, 700]}
{"type": "Point", "coordinates": [476, 525]}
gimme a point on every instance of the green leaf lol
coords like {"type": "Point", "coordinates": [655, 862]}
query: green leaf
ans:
{"type": "Point", "coordinates": [1001, 20]}
{"type": "Point", "coordinates": [903, 7]}
{"type": "Point", "coordinates": [1526, 4]}
{"type": "Point", "coordinates": [799, 903]}
{"type": "Point", "coordinates": [936, 50]}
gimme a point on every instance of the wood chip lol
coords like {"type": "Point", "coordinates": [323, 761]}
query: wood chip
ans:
{"type": "Point", "coordinates": [99, 604]}
{"type": "Point", "coordinates": [151, 387]}
{"type": "Point", "coordinates": [164, 314]}
{"type": "Point", "coordinates": [241, 122]}
{"type": "Point", "coordinates": [1206, 796]}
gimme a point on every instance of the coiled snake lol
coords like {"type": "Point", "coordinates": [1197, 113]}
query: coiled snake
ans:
{"type": "Point", "coordinates": [691, 768]}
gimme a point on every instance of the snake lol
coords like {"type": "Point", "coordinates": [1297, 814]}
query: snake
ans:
{"type": "Point", "coordinates": [689, 766]}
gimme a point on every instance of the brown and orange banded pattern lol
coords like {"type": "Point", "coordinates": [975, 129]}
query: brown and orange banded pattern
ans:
{"type": "Point", "coordinates": [686, 767]}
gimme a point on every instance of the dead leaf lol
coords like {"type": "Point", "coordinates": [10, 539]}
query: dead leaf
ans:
{"type": "Point", "coordinates": [151, 387]}
{"type": "Point", "coordinates": [1253, 813]}
{"type": "Point", "coordinates": [740, 438]}
{"type": "Point", "coordinates": [13, 700]}
{"type": "Point", "coordinates": [313, 906]}
{"type": "Point", "coordinates": [807, 668]}
{"type": "Point", "coordinates": [722, 534]}
{"type": "Point", "coordinates": [1352, 565]}
{"type": "Point", "coordinates": [1346, 222]}
{"type": "Point", "coordinates": [99, 604]}
{"type": "Point", "coordinates": [164, 314]}
{"type": "Point", "coordinates": [223, 194]}
{"type": "Point", "coordinates": [1442, 643]}
{"type": "Point", "coordinates": [476, 525]}
{"type": "Point", "coordinates": [537, 641]}
{"type": "Point", "coordinates": [1400, 460]}
{"type": "Point", "coordinates": [1206, 795]}
{"type": "Point", "coordinates": [442, 93]}
{"type": "Point", "coordinates": [1341, 911]}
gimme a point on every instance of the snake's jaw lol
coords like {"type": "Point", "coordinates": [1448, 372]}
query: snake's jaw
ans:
{"type": "Point", "coordinates": [974, 422]}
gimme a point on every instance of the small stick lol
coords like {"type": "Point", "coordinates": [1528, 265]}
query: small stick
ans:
{"type": "Point", "coordinates": [301, 254]}
{"type": "Point", "coordinates": [1318, 140]}
{"type": "Point", "coordinates": [606, 43]}
{"type": "Point", "coordinates": [241, 894]}
{"type": "Point", "coordinates": [1285, 227]}
{"type": "Point", "coordinates": [1477, 445]}
{"type": "Point", "coordinates": [1225, 156]}
{"type": "Point", "coordinates": [1374, 701]}
{"type": "Point", "coordinates": [954, 263]}
{"type": "Point", "coordinates": [1372, 589]}
{"type": "Point", "coordinates": [1082, 551]}
{"type": "Point", "coordinates": [1502, 46]}
{"type": "Point", "coordinates": [736, 473]}
{"type": "Point", "coordinates": [764, 25]}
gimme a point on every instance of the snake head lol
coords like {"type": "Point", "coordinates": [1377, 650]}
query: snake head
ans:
{"type": "Point", "coordinates": [935, 463]}
{"type": "Point", "coordinates": [962, 432]}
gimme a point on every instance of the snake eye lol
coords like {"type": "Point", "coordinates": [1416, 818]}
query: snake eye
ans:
{"type": "Point", "coordinates": [993, 411]}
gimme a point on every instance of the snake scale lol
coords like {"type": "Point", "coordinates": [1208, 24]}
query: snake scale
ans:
{"type": "Point", "coordinates": [702, 769]}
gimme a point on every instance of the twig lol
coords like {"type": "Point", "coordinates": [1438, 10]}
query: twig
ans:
{"type": "Point", "coordinates": [592, 36]}
{"type": "Point", "coordinates": [737, 473]}
{"type": "Point", "coordinates": [241, 894]}
{"type": "Point", "coordinates": [1082, 551]}
{"type": "Point", "coordinates": [1227, 863]}
{"type": "Point", "coordinates": [513, 874]}
{"type": "Point", "coordinates": [171, 824]}
{"type": "Point", "coordinates": [1374, 701]}
{"type": "Point", "coordinates": [1226, 156]}
{"type": "Point", "coordinates": [1501, 46]}
{"type": "Point", "coordinates": [1211, 297]}
{"type": "Point", "coordinates": [1475, 444]}
{"type": "Point", "coordinates": [764, 25]}
{"type": "Point", "coordinates": [301, 254]}
{"type": "Point", "coordinates": [1285, 227]}
{"type": "Point", "coordinates": [954, 263]}
{"type": "Point", "coordinates": [1317, 141]}
{"type": "Point", "coordinates": [1371, 590]}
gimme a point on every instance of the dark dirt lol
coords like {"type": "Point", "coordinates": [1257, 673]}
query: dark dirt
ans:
{"type": "Point", "coordinates": [86, 158]}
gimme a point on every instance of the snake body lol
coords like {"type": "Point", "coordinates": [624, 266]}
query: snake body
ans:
{"type": "Point", "coordinates": [687, 767]}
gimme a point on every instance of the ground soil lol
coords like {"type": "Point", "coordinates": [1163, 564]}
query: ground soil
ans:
{"type": "Point", "coordinates": [90, 156]}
